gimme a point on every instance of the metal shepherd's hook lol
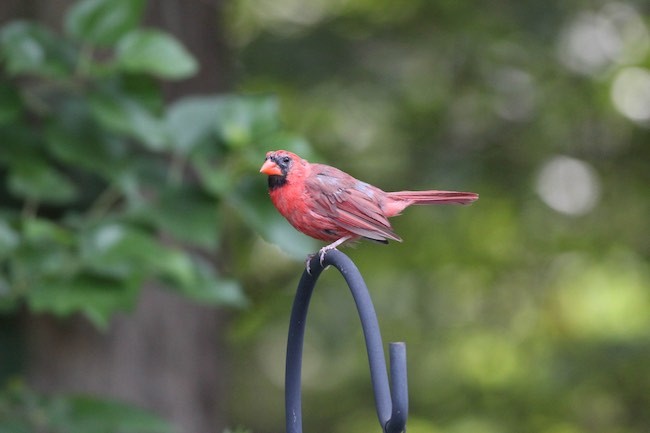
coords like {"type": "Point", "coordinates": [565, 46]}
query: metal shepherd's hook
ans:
{"type": "Point", "coordinates": [391, 402]}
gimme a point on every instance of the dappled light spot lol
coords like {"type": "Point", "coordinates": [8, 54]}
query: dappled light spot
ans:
{"type": "Point", "coordinates": [568, 185]}
{"type": "Point", "coordinates": [106, 237]}
{"type": "Point", "coordinates": [631, 94]}
{"type": "Point", "coordinates": [596, 40]}
{"type": "Point", "coordinates": [589, 44]}
{"type": "Point", "coordinates": [631, 29]}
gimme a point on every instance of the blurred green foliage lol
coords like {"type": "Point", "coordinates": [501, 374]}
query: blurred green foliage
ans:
{"type": "Point", "coordinates": [23, 411]}
{"type": "Point", "coordinates": [530, 309]}
{"type": "Point", "coordinates": [104, 185]}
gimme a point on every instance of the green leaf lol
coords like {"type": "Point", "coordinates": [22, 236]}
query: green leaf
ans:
{"type": "Point", "coordinates": [118, 250]}
{"type": "Point", "coordinates": [215, 291]}
{"type": "Point", "coordinates": [103, 22]}
{"type": "Point", "coordinates": [36, 180]}
{"type": "Point", "coordinates": [143, 88]}
{"type": "Point", "coordinates": [196, 279]}
{"type": "Point", "coordinates": [22, 409]}
{"type": "Point", "coordinates": [216, 181]}
{"type": "Point", "coordinates": [191, 121]}
{"type": "Point", "coordinates": [240, 120]}
{"type": "Point", "coordinates": [39, 230]}
{"type": "Point", "coordinates": [46, 250]}
{"type": "Point", "coordinates": [10, 104]}
{"type": "Point", "coordinates": [236, 120]}
{"type": "Point", "coordinates": [19, 145]}
{"type": "Point", "coordinates": [127, 115]}
{"type": "Point", "coordinates": [89, 414]}
{"type": "Point", "coordinates": [29, 48]}
{"type": "Point", "coordinates": [9, 238]}
{"type": "Point", "coordinates": [186, 215]}
{"type": "Point", "coordinates": [156, 53]}
{"type": "Point", "coordinates": [87, 148]}
{"type": "Point", "coordinates": [95, 296]}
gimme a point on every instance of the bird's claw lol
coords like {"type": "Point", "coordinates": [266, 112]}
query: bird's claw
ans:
{"type": "Point", "coordinates": [307, 262]}
{"type": "Point", "coordinates": [321, 254]}
{"type": "Point", "coordinates": [324, 250]}
{"type": "Point", "coordinates": [321, 258]}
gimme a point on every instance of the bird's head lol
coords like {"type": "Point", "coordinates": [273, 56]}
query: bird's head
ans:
{"type": "Point", "coordinates": [279, 164]}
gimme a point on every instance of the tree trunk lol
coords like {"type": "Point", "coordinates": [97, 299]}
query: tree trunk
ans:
{"type": "Point", "coordinates": [167, 355]}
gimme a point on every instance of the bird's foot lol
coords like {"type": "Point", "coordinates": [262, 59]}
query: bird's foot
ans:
{"type": "Point", "coordinates": [323, 251]}
{"type": "Point", "coordinates": [321, 254]}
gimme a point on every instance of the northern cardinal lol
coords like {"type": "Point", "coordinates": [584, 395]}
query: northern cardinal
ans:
{"type": "Point", "coordinates": [330, 205]}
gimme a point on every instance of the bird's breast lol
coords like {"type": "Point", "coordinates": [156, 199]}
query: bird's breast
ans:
{"type": "Point", "coordinates": [295, 204]}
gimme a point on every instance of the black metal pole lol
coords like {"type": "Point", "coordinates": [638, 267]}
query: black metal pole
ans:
{"type": "Point", "coordinates": [391, 401]}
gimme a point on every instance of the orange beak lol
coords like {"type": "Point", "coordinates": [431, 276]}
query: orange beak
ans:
{"type": "Point", "coordinates": [271, 168]}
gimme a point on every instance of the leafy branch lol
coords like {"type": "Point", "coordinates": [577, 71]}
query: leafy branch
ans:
{"type": "Point", "coordinates": [103, 185]}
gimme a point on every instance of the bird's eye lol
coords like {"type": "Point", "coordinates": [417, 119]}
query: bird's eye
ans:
{"type": "Point", "coordinates": [286, 160]}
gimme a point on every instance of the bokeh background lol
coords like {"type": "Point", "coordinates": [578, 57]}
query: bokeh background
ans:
{"type": "Point", "coordinates": [146, 281]}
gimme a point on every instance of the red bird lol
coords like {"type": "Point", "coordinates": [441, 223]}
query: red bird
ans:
{"type": "Point", "coordinates": [330, 205]}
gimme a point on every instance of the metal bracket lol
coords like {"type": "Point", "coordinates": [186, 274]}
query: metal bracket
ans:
{"type": "Point", "coordinates": [391, 401]}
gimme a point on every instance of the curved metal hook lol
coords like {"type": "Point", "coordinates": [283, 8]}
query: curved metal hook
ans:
{"type": "Point", "coordinates": [391, 401]}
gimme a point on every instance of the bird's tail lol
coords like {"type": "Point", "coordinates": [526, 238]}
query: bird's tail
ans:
{"type": "Point", "coordinates": [434, 197]}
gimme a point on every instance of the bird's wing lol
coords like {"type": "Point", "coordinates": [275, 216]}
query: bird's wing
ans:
{"type": "Point", "coordinates": [353, 205]}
